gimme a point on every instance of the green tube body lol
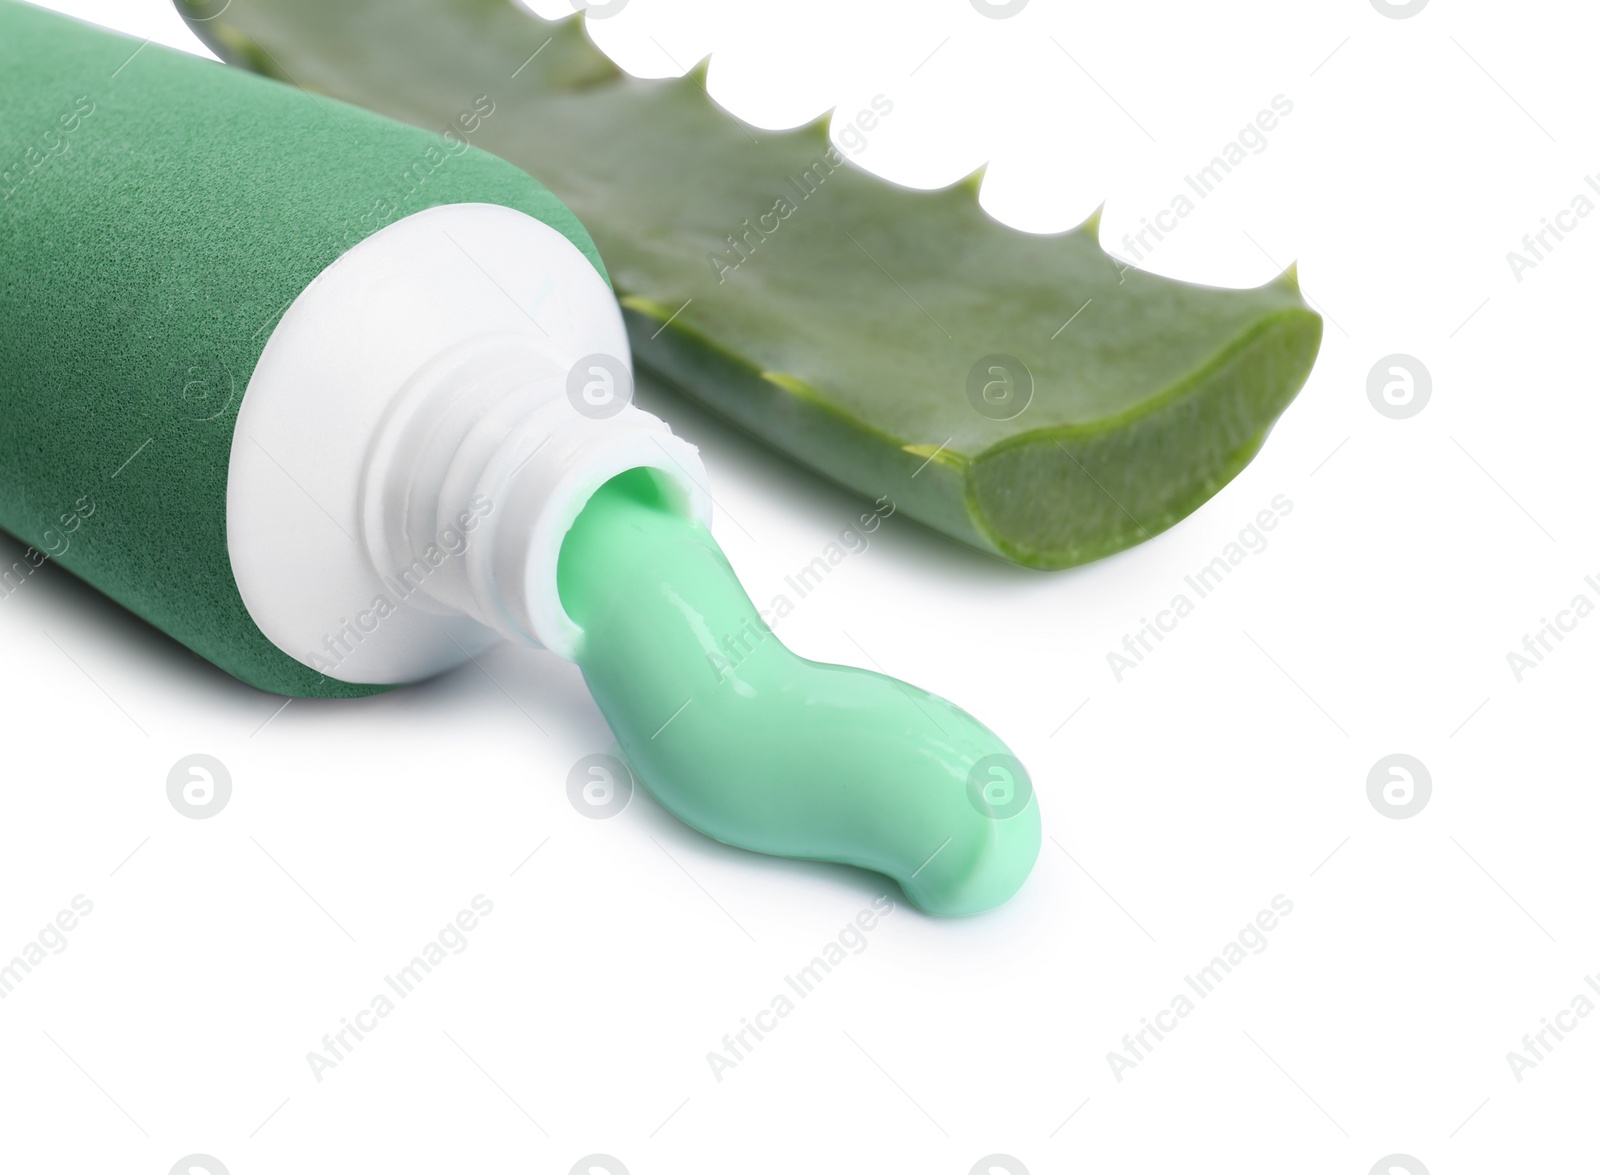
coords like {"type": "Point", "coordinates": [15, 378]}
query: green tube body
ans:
{"type": "Point", "coordinates": [158, 213]}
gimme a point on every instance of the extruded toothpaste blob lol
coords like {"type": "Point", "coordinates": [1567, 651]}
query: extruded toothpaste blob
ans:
{"type": "Point", "coordinates": [774, 752]}
{"type": "Point", "coordinates": [338, 403]}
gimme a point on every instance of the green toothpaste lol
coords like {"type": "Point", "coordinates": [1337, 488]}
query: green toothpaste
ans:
{"type": "Point", "coordinates": [773, 752]}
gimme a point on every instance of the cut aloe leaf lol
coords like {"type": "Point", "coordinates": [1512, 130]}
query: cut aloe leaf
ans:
{"type": "Point", "coordinates": [1026, 394]}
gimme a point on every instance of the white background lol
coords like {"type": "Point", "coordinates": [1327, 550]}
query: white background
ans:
{"type": "Point", "coordinates": [1230, 767]}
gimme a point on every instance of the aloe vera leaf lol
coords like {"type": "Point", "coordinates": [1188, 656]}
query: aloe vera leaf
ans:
{"type": "Point", "coordinates": [846, 337]}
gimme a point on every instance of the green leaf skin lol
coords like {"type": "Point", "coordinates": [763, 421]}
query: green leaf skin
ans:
{"type": "Point", "coordinates": [845, 339]}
